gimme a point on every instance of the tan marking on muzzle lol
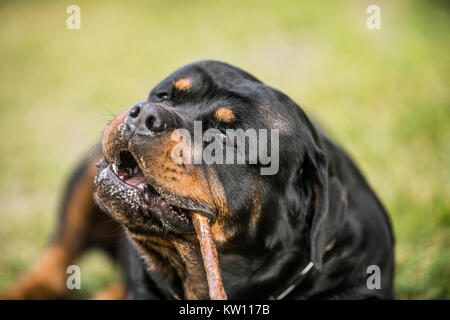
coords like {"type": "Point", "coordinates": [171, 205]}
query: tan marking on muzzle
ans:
{"type": "Point", "coordinates": [110, 134]}
{"type": "Point", "coordinates": [183, 180]}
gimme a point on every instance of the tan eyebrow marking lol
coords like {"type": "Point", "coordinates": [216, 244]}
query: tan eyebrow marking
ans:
{"type": "Point", "coordinates": [225, 114]}
{"type": "Point", "coordinates": [183, 84]}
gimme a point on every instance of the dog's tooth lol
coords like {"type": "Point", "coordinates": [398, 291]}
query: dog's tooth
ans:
{"type": "Point", "coordinates": [115, 169]}
{"type": "Point", "coordinates": [121, 177]}
{"type": "Point", "coordinates": [136, 170]}
{"type": "Point", "coordinates": [141, 187]}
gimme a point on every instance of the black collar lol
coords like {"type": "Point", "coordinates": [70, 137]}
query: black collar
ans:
{"type": "Point", "coordinates": [299, 277]}
{"type": "Point", "coordinates": [295, 282]}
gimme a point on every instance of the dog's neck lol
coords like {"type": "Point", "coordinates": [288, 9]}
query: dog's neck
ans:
{"type": "Point", "coordinates": [244, 275]}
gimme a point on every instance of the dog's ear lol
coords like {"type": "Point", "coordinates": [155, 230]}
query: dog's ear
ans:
{"type": "Point", "coordinates": [329, 204]}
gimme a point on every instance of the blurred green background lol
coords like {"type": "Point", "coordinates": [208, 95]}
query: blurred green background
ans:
{"type": "Point", "coordinates": [382, 94]}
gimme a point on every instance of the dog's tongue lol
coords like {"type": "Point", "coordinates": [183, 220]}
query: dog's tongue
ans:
{"type": "Point", "coordinates": [136, 180]}
{"type": "Point", "coordinates": [210, 259]}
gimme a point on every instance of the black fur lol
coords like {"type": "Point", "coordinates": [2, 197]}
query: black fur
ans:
{"type": "Point", "coordinates": [318, 198]}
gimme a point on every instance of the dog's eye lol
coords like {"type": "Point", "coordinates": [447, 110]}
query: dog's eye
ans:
{"type": "Point", "coordinates": [162, 95]}
{"type": "Point", "coordinates": [223, 136]}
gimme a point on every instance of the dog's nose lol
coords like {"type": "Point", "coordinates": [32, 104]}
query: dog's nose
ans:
{"type": "Point", "coordinates": [147, 119]}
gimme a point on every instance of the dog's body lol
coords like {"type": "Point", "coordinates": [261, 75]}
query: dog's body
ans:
{"type": "Point", "coordinates": [311, 231]}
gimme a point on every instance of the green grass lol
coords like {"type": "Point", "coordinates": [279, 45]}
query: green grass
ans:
{"type": "Point", "coordinates": [383, 95]}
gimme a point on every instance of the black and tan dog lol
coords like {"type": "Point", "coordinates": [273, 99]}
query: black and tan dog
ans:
{"type": "Point", "coordinates": [310, 231]}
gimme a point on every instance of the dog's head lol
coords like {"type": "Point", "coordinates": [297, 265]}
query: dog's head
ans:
{"type": "Point", "coordinates": [155, 172]}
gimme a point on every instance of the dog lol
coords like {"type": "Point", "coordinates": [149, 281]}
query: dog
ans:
{"type": "Point", "coordinates": [312, 230]}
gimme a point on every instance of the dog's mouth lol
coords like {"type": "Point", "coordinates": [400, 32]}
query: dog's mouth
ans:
{"type": "Point", "coordinates": [125, 192]}
{"type": "Point", "coordinates": [129, 172]}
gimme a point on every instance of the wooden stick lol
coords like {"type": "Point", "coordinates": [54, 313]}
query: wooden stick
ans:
{"type": "Point", "coordinates": [210, 258]}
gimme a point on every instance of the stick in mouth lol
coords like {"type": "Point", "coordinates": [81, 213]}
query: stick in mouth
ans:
{"type": "Point", "coordinates": [210, 258]}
